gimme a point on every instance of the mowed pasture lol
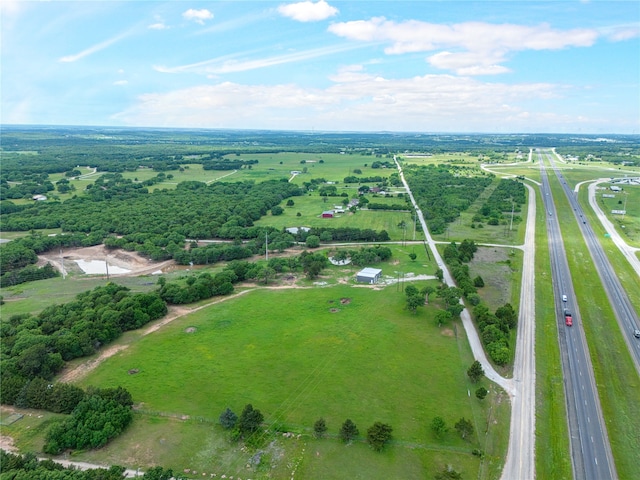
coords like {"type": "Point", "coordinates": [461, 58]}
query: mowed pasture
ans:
{"type": "Point", "coordinates": [333, 167]}
{"type": "Point", "coordinates": [628, 225]}
{"type": "Point", "coordinates": [301, 354]}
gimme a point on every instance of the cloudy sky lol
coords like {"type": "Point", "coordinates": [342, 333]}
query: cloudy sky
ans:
{"type": "Point", "coordinates": [423, 66]}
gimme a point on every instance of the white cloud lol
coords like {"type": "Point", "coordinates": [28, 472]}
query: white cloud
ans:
{"type": "Point", "coordinates": [466, 63]}
{"type": "Point", "coordinates": [157, 26]}
{"type": "Point", "coordinates": [120, 82]}
{"type": "Point", "coordinates": [476, 41]}
{"type": "Point", "coordinates": [308, 11]}
{"type": "Point", "coordinates": [355, 101]}
{"type": "Point", "coordinates": [93, 49]}
{"type": "Point", "coordinates": [233, 63]}
{"type": "Point", "coordinates": [623, 32]}
{"type": "Point", "coordinates": [198, 16]}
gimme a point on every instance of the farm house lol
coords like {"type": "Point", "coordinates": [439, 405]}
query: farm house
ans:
{"type": "Point", "coordinates": [327, 214]}
{"type": "Point", "coordinates": [368, 275]}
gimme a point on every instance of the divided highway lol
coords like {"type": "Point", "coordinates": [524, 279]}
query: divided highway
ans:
{"type": "Point", "coordinates": [618, 298]}
{"type": "Point", "coordinates": [590, 450]}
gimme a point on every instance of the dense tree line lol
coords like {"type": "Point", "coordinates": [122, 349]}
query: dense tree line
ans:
{"type": "Point", "coordinates": [193, 209]}
{"type": "Point", "coordinates": [387, 206]}
{"type": "Point", "coordinates": [25, 189]}
{"type": "Point", "coordinates": [97, 414]}
{"type": "Point", "coordinates": [73, 144]}
{"type": "Point", "coordinates": [224, 164]}
{"type": "Point", "coordinates": [508, 196]}
{"type": "Point", "coordinates": [494, 330]}
{"type": "Point", "coordinates": [456, 257]}
{"type": "Point", "coordinates": [199, 287]}
{"type": "Point", "coordinates": [21, 252]}
{"type": "Point", "coordinates": [40, 394]}
{"type": "Point", "coordinates": [28, 274]}
{"type": "Point", "coordinates": [442, 192]}
{"type": "Point", "coordinates": [154, 224]}
{"type": "Point", "coordinates": [95, 421]}
{"type": "Point", "coordinates": [372, 179]}
{"type": "Point", "coordinates": [365, 255]}
{"type": "Point", "coordinates": [344, 234]}
{"type": "Point", "coordinates": [384, 164]}
{"type": "Point", "coordinates": [494, 327]}
{"type": "Point", "coordinates": [28, 467]}
{"type": "Point", "coordinates": [38, 345]}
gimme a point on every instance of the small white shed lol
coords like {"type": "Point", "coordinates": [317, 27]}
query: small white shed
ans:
{"type": "Point", "coordinates": [368, 275]}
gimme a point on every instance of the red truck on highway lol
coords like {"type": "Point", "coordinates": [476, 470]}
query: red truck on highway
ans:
{"type": "Point", "coordinates": [568, 319]}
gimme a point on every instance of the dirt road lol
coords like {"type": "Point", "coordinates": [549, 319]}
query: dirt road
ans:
{"type": "Point", "coordinates": [520, 461]}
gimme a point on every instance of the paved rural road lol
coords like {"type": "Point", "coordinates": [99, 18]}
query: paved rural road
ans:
{"type": "Point", "coordinates": [591, 455]}
{"type": "Point", "coordinates": [520, 462]}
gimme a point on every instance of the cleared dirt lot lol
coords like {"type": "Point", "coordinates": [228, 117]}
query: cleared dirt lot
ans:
{"type": "Point", "coordinates": [65, 261]}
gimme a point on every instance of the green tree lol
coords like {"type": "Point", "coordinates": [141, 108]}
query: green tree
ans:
{"type": "Point", "coordinates": [442, 317]}
{"type": "Point", "coordinates": [250, 420]}
{"type": "Point", "coordinates": [290, 203]}
{"type": "Point", "coordinates": [348, 431]}
{"type": "Point", "coordinates": [475, 371]}
{"type": "Point", "coordinates": [228, 419]}
{"type": "Point", "coordinates": [438, 426]}
{"type": "Point", "coordinates": [481, 393]}
{"type": "Point", "coordinates": [426, 291]}
{"type": "Point", "coordinates": [413, 256]}
{"type": "Point", "coordinates": [410, 290]}
{"type": "Point", "coordinates": [448, 473]}
{"type": "Point", "coordinates": [439, 274]}
{"type": "Point", "coordinates": [158, 473]}
{"type": "Point", "coordinates": [378, 435]}
{"type": "Point", "coordinates": [478, 282]}
{"type": "Point", "coordinates": [415, 301]}
{"type": "Point", "coordinates": [313, 241]}
{"type": "Point", "coordinates": [464, 428]}
{"type": "Point", "coordinates": [320, 428]}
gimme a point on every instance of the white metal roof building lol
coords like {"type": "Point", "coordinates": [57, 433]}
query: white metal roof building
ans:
{"type": "Point", "coordinates": [368, 275]}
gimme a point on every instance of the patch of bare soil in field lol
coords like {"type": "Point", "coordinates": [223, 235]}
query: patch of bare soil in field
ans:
{"type": "Point", "coordinates": [491, 254]}
{"type": "Point", "coordinates": [132, 261]}
{"type": "Point", "coordinates": [6, 443]}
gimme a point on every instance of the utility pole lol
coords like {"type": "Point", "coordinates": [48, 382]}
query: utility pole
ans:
{"type": "Point", "coordinates": [414, 224]}
{"type": "Point", "coordinates": [62, 263]}
{"type": "Point", "coordinates": [512, 208]}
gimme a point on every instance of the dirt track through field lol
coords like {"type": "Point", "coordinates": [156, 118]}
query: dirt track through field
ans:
{"type": "Point", "coordinates": [80, 371]}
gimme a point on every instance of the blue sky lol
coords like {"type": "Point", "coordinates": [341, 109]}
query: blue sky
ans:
{"type": "Point", "coordinates": [423, 66]}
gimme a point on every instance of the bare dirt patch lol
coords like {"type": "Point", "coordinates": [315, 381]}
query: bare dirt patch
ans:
{"type": "Point", "coordinates": [6, 443]}
{"type": "Point", "coordinates": [334, 310]}
{"type": "Point", "coordinates": [132, 261]}
{"type": "Point", "coordinates": [345, 301]}
{"type": "Point", "coordinates": [447, 332]}
{"type": "Point", "coordinates": [69, 375]}
{"type": "Point", "coordinates": [190, 330]}
{"type": "Point", "coordinates": [491, 254]}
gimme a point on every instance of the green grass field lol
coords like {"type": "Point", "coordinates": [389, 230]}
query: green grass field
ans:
{"type": "Point", "coordinates": [368, 359]}
{"type": "Point", "coordinates": [628, 225]}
